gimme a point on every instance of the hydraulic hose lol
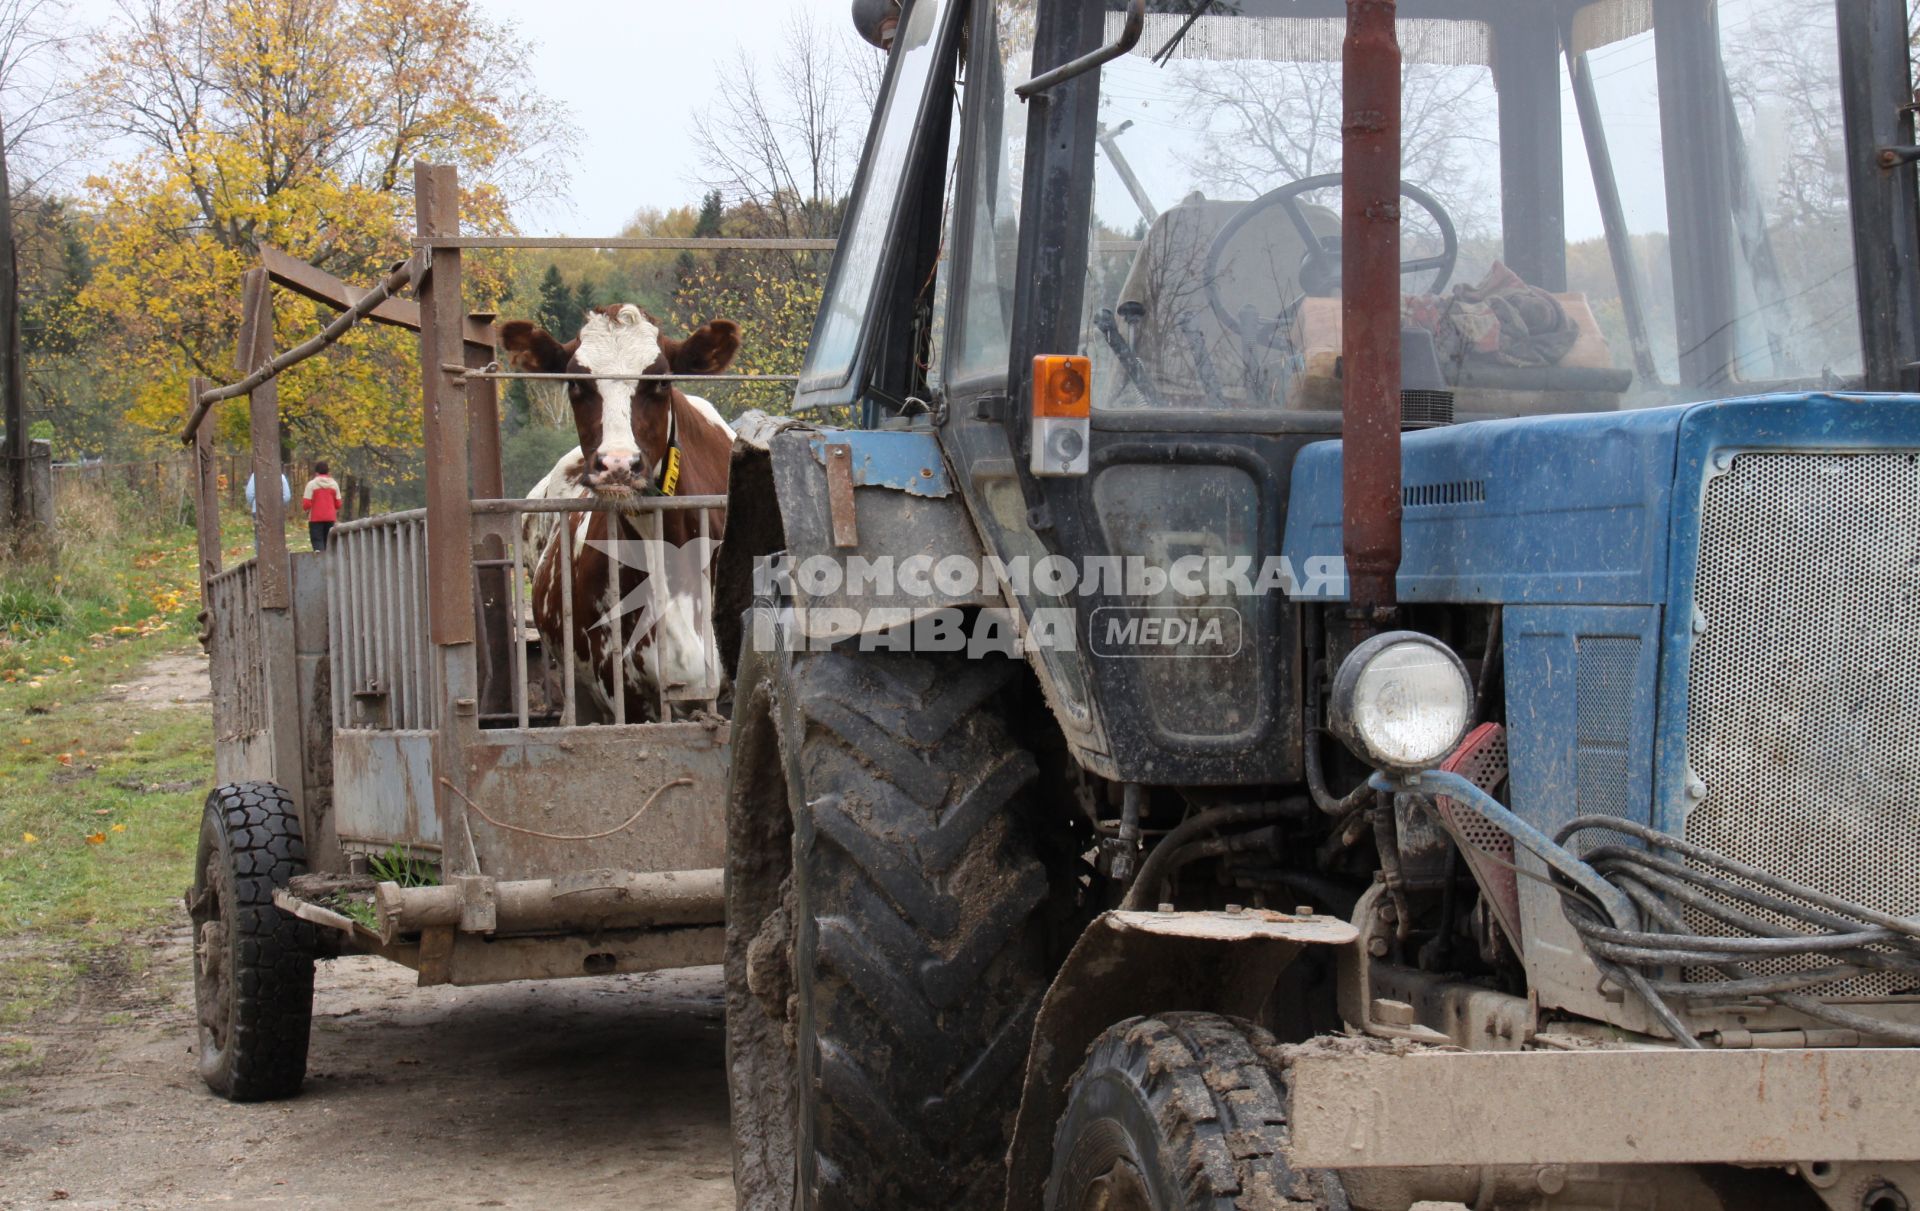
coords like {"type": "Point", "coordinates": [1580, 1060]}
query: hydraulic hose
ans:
{"type": "Point", "coordinates": [1166, 855]}
{"type": "Point", "coordinates": [1622, 900]}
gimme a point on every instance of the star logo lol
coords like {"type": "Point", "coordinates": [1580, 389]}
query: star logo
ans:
{"type": "Point", "coordinates": [671, 571]}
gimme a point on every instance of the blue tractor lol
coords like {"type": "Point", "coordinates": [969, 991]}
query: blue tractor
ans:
{"type": "Point", "coordinates": [1356, 641]}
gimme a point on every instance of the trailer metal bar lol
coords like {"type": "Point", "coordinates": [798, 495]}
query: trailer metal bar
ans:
{"type": "Point", "coordinates": [542, 376]}
{"type": "Point", "coordinates": [404, 275]}
{"type": "Point", "coordinates": [634, 243]}
{"type": "Point", "coordinates": [583, 504]}
{"type": "Point", "coordinates": [569, 684]}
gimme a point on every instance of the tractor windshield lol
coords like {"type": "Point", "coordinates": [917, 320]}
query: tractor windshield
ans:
{"type": "Point", "coordinates": [1601, 208]}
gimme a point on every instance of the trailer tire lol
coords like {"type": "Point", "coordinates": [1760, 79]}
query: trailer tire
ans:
{"type": "Point", "coordinates": [252, 962]}
{"type": "Point", "coordinates": [886, 950]}
{"type": "Point", "coordinates": [1180, 1112]}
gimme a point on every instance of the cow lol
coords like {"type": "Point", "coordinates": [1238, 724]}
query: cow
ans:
{"type": "Point", "coordinates": [637, 439]}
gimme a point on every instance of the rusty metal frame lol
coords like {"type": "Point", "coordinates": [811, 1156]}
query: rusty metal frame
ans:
{"type": "Point", "coordinates": [422, 638]}
{"type": "Point", "coordinates": [1427, 1107]}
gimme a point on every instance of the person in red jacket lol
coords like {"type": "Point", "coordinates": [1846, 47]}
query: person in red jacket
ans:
{"type": "Point", "coordinates": [321, 500]}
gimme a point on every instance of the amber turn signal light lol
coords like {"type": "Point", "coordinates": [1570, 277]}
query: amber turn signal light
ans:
{"type": "Point", "coordinates": [1062, 385]}
{"type": "Point", "coordinates": [1062, 407]}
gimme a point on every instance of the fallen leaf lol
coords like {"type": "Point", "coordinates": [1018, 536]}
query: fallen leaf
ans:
{"type": "Point", "coordinates": [66, 758]}
{"type": "Point", "coordinates": [96, 838]}
{"type": "Point", "coordinates": [119, 828]}
{"type": "Point", "coordinates": [29, 839]}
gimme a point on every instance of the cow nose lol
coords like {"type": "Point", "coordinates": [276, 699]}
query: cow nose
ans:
{"type": "Point", "coordinates": [613, 466]}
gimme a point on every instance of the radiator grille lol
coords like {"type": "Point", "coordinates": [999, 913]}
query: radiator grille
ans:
{"type": "Point", "coordinates": [1804, 697]}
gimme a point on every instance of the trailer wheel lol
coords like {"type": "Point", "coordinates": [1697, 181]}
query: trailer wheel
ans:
{"type": "Point", "coordinates": [252, 963]}
{"type": "Point", "coordinates": [1179, 1113]}
{"type": "Point", "coordinates": [885, 949]}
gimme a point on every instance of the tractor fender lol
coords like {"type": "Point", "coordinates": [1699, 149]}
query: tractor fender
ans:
{"type": "Point", "coordinates": [862, 517]}
{"type": "Point", "coordinates": [1143, 963]}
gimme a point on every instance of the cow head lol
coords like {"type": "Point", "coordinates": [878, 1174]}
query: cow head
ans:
{"type": "Point", "coordinates": [624, 425]}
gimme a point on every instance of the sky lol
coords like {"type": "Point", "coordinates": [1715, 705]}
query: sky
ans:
{"type": "Point", "coordinates": [632, 72]}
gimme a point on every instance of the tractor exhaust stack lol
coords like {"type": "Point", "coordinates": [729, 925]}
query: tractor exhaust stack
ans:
{"type": "Point", "coordinates": [1370, 311]}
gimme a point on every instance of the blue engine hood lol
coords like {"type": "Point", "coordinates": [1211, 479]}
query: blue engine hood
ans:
{"type": "Point", "coordinates": [1560, 509]}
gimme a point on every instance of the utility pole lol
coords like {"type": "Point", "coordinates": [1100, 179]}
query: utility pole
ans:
{"type": "Point", "coordinates": [13, 388]}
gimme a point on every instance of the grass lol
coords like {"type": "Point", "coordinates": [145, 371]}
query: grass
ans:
{"type": "Point", "coordinates": [100, 798]}
{"type": "Point", "coordinates": [396, 865]}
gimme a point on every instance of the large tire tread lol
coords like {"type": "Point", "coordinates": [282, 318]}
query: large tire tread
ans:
{"type": "Point", "coordinates": [928, 963]}
{"type": "Point", "coordinates": [271, 952]}
{"type": "Point", "coordinates": [1219, 1109]}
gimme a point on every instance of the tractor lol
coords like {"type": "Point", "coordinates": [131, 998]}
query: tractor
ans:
{"type": "Point", "coordinates": [1354, 641]}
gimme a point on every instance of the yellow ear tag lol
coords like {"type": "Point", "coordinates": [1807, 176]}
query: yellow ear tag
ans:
{"type": "Point", "coordinates": [670, 478]}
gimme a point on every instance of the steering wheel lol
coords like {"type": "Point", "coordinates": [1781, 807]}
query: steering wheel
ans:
{"type": "Point", "coordinates": [1322, 264]}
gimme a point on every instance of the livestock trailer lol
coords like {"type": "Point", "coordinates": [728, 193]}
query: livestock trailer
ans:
{"type": "Point", "coordinates": [402, 770]}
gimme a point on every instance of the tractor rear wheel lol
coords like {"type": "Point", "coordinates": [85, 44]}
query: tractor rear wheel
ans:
{"type": "Point", "coordinates": [885, 946]}
{"type": "Point", "coordinates": [1179, 1113]}
{"type": "Point", "coordinates": [252, 962]}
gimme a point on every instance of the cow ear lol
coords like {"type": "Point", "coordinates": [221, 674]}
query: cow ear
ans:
{"type": "Point", "coordinates": [533, 348]}
{"type": "Point", "coordinates": [708, 349]}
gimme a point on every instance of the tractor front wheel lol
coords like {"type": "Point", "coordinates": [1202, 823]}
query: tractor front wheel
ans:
{"type": "Point", "coordinates": [1180, 1112]}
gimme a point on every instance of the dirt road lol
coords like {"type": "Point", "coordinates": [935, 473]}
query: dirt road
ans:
{"type": "Point", "coordinates": [596, 1093]}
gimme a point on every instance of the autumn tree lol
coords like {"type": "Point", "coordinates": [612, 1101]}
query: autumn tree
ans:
{"type": "Point", "coordinates": [296, 123]}
{"type": "Point", "coordinates": [780, 165]}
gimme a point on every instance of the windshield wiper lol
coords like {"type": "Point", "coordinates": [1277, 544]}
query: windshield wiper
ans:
{"type": "Point", "coordinates": [1161, 56]}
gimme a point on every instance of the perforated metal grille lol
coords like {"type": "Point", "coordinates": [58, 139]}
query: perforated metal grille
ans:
{"type": "Point", "coordinates": [1482, 760]}
{"type": "Point", "coordinates": [1804, 698]}
{"type": "Point", "coordinates": [1603, 724]}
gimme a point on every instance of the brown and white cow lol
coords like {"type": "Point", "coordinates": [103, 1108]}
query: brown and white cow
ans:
{"type": "Point", "coordinates": [637, 439]}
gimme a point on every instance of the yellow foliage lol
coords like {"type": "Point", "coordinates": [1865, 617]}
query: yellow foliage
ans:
{"type": "Point", "coordinates": [774, 302]}
{"type": "Point", "coordinates": [295, 123]}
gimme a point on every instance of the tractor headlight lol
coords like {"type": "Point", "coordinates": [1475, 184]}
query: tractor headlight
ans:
{"type": "Point", "coordinates": [1402, 702]}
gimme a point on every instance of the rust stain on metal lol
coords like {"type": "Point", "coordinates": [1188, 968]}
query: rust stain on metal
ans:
{"type": "Point", "coordinates": [846, 526]}
{"type": "Point", "coordinates": [1370, 308]}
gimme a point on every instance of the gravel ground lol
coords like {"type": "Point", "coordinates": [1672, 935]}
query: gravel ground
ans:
{"type": "Point", "coordinates": [591, 1093]}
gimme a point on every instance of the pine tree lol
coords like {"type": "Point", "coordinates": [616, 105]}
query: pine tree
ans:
{"type": "Point", "coordinates": [706, 227]}
{"type": "Point", "coordinates": [559, 311]}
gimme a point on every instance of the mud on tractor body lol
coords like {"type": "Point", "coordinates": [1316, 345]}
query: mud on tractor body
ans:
{"type": "Point", "coordinates": [1360, 649]}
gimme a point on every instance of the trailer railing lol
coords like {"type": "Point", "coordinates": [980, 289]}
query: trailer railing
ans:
{"type": "Point", "coordinates": [383, 671]}
{"type": "Point", "coordinates": [233, 645]}
{"type": "Point", "coordinates": [528, 540]}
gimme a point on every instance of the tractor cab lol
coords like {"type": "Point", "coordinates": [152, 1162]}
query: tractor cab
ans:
{"type": "Point", "coordinates": [1602, 206]}
{"type": "Point", "coordinates": [1592, 216]}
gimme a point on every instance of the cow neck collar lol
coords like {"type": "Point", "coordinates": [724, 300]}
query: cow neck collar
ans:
{"type": "Point", "coordinates": [666, 477]}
